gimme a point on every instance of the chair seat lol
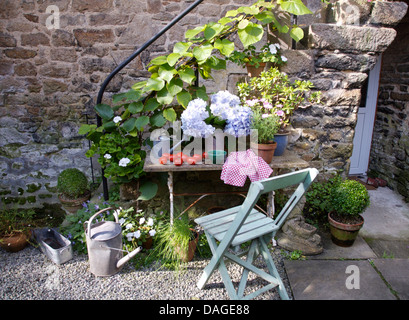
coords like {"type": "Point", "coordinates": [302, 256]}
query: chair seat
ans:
{"type": "Point", "coordinates": [255, 225]}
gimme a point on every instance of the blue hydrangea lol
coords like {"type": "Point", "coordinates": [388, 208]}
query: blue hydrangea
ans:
{"type": "Point", "coordinates": [193, 117]}
{"type": "Point", "coordinates": [222, 104]}
{"type": "Point", "coordinates": [239, 121]}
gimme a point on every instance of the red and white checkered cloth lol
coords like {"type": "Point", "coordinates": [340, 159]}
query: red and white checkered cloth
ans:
{"type": "Point", "coordinates": [240, 165]}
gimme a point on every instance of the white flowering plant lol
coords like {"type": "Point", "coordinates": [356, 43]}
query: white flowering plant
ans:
{"type": "Point", "coordinates": [225, 112]}
{"type": "Point", "coordinates": [270, 52]}
{"type": "Point", "coordinates": [137, 227]}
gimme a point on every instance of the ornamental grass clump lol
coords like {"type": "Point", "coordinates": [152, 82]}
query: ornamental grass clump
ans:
{"type": "Point", "coordinates": [349, 199]}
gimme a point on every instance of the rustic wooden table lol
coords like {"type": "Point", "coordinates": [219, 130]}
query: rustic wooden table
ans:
{"type": "Point", "coordinates": [288, 160]}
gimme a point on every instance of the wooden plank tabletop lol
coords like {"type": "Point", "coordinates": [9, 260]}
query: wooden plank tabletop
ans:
{"type": "Point", "coordinates": [288, 160]}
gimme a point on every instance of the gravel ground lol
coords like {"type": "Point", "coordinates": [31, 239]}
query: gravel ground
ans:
{"type": "Point", "coordinates": [30, 275]}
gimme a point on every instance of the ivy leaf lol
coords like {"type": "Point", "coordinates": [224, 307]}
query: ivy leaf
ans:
{"type": "Point", "coordinates": [216, 63]}
{"type": "Point", "coordinates": [187, 75]}
{"type": "Point", "coordinates": [212, 31]}
{"type": "Point", "coordinates": [159, 61]}
{"type": "Point", "coordinates": [118, 97]}
{"type": "Point", "coordinates": [141, 122]}
{"type": "Point", "coordinates": [135, 107]}
{"type": "Point", "coordinates": [184, 98]}
{"type": "Point", "coordinates": [203, 52]}
{"type": "Point", "coordinates": [265, 17]}
{"type": "Point", "coordinates": [129, 124]}
{"type": "Point", "coordinates": [170, 114]}
{"type": "Point", "coordinates": [175, 86]}
{"type": "Point", "coordinates": [164, 96]}
{"type": "Point", "coordinates": [157, 120]}
{"type": "Point", "coordinates": [251, 34]}
{"type": "Point", "coordinates": [86, 128]}
{"type": "Point", "coordinates": [193, 32]}
{"type": "Point", "coordinates": [181, 47]}
{"type": "Point", "coordinates": [166, 72]}
{"type": "Point", "coordinates": [151, 105]}
{"type": "Point", "coordinates": [139, 85]}
{"type": "Point", "coordinates": [104, 111]}
{"type": "Point", "coordinates": [173, 58]}
{"type": "Point", "coordinates": [297, 33]}
{"type": "Point", "coordinates": [199, 92]}
{"type": "Point", "coordinates": [133, 95]}
{"type": "Point", "coordinates": [155, 84]}
{"type": "Point", "coordinates": [243, 24]}
{"type": "Point", "coordinates": [295, 7]}
{"type": "Point", "coordinates": [226, 47]}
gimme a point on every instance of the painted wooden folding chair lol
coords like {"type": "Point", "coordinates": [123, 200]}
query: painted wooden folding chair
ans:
{"type": "Point", "coordinates": [230, 228]}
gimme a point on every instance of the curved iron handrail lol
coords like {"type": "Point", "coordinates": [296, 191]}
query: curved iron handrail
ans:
{"type": "Point", "coordinates": [126, 62]}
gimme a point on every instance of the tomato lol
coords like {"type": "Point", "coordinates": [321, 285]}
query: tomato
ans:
{"type": "Point", "coordinates": [191, 160]}
{"type": "Point", "coordinates": [177, 161]}
{"type": "Point", "coordinates": [204, 155]}
{"type": "Point", "coordinates": [198, 157]}
{"type": "Point", "coordinates": [163, 160]}
{"type": "Point", "coordinates": [184, 157]}
{"type": "Point", "coordinates": [166, 155]}
{"type": "Point", "coordinates": [171, 157]}
{"type": "Point", "coordinates": [180, 154]}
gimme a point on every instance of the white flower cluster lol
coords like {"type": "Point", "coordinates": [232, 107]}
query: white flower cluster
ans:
{"type": "Point", "coordinates": [193, 117]}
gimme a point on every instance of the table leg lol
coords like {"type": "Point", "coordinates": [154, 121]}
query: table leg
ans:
{"type": "Point", "coordinates": [170, 186]}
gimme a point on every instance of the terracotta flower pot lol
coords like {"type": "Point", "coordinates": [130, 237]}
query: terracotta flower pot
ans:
{"type": "Point", "coordinates": [147, 244]}
{"type": "Point", "coordinates": [14, 243]}
{"type": "Point", "coordinates": [265, 151]}
{"type": "Point", "coordinates": [253, 71]}
{"type": "Point", "coordinates": [73, 205]}
{"type": "Point", "coordinates": [189, 254]}
{"type": "Point", "coordinates": [344, 234]}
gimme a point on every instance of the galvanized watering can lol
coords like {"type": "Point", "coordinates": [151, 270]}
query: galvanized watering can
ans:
{"type": "Point", "coordinates": [104, 243]}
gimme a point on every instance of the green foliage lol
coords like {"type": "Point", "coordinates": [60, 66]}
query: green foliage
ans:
{"type": "Point", "coordinates": [275, 88]}
{"type": "Point", "coordinates": [15, 221]}
{"type": "Point", "coordinates": [318, 200]}
{"type": "Point", "coordinates": [349, 198]}
{"type": "Point", "coordinates": [72, 183]}
{"type": "Point", "coordinates": [249, 56]}
{"type": "Point", "coordinates": [266, 125]}
{"type": "Point", "coordinates": [173, 242]}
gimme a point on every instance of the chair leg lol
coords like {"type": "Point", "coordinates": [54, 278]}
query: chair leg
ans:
{"type": "Point", "coordinates": [273, 270]}
{"type": "Point", "coordinates": [250, 258]}
{"type": "Point", "coordinates": [209, 269]}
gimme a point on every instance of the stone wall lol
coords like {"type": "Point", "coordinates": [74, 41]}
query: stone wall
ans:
{"type": "Point", "coordinates": [390, 145]}
{"type": "Point", "coordinates": [50, 77]}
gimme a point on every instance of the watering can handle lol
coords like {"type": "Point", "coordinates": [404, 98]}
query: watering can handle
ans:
{"type": "Point", "coordinates": [98, 213]}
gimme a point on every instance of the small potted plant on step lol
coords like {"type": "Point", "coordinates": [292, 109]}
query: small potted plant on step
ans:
{"type": "Point", "coordinates": [267, 125]}
{"type": "Point", "coordinates": [348, 200]}
{"type": "Point", "coordinates": [15, 229]}
{"type": "Point", "coordinates": [73, 189]}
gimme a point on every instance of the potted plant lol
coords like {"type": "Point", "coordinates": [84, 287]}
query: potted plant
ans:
{"type": "Point", "coordinates": [137, 229]}
{"type": "Point", "coordinates": [255, 61]}
{"type": "Point", "coordinates": [72, 186]}
{"type": "Point", "coordinates": [349, 198]}
{"type": "Point", "coordinates": [267, 125]}
{"type": "Point", "coordinates": [15, 229]}
{"type": "Point", "coordinates": [177, 242]}
{"type": "Point", "coordinates": [274, 89]}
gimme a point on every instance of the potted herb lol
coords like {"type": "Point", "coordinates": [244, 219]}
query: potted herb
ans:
{"type": "Point", "coordinates": [348, 200]}
{"type": "Point", "coordinates": [255, 61]}
{"type": "Point", "coordinates": [274, 89]}
{"type": "Point", "coordinates": [15, 229]}
{"type": "Point", "coordinates": [177, 242]}
{"type": "Point", "coordinates": [267, 125]}
{"type": "Point", "coordinates": [72, 186]}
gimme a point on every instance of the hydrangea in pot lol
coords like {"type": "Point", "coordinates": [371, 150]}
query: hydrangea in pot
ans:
{"type": "Point", "coordinates": [349, 199]}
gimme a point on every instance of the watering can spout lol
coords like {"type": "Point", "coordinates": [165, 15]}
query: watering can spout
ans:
{"type": "Point", "coordinates": [128, 257]}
